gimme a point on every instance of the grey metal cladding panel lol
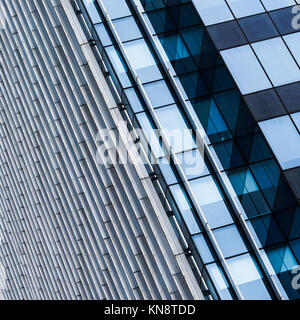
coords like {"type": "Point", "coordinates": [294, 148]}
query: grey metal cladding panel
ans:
{"type": "Point", "coordinates": [226, 35]}
{"type": "Point", "coordinates": [265, 104]}
{"type": "Point", "coordinates": [290, 95]}
{"type": "Point", "coordinates": [72, 229]}
{"type": "Point", "coordinates": [293, 177]}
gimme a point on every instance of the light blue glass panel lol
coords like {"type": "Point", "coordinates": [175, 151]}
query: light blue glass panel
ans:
{"type": "Point", "coordinates": [219, 281]}
{"type": "Point", "coordinates": [193, 164]}
{"type": "Point", "coordinates": [246, 69]}
{"type": "Point", "coordinates": [277, 61]}
{"type": "Point", "coordinates": [93, 13]}
{"type": "Point", "coordinates": [142, 60]}
{"type": "Point", "coordinates": [175, 129]}
{"type": "Point", "coordinates": [244, 8]}
{"type": "Point", "coordinates": [211, 202]}
{"type": "Point", "coordinates": [118, 66]}
{"type": "Point", "coordinates": [277, 4]}
{"type": "Point", "coordinates": [284, 140]}
{"type": "Point", "coordinates": [185, 208]}
{"type": "Point", "coordinates": [203, 248]}
{"type": "Point", "coordinates": [248, 278]}
{"type": "Point", "coordinates": [166, 170]}
{"type": "Point", "coordinates": [296, 118]}
{"type": "Point", "coordinates": [133, 100]}
{"type": "Point", "coordinates": [127, 29]}
{"type": "Point", "coordinates": [158, 93]}
{"type": "Point", "coordinates": [103, 35]}
{"type": "Point", "coordinates": [213, 11]}
{"type": "Point", "coordinates": [293, 42]}
{"type": "Point", "coordinates": [150, 135]}
{"type": "Point", "coordinates": [116, 8]}
{"type": "Point", "coordinates": [230, 241]}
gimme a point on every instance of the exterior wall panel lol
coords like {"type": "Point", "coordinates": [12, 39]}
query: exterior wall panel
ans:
{"type": "Point", "coordinates": [73, 229]}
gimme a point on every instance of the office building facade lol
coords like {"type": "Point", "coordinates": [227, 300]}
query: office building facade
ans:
{"type": "Point", "coordinates": [149, 149]}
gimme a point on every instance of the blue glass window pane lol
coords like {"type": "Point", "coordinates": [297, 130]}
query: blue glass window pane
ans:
{"type": "Point", "coordinates": [150, 135]}
{"type": "Point", "coordinates": [133, 99]}
{"type": "Point", "coordinates": [229, 104]}
{"type": "Point", "coordinates": [277, 61]}
{"type": "Point", "coordinates": [93, 13]}
{"type": "Point", "coordinates": [296, 248]}
{"type": "Point", "coordinates": [254, 234]}
{"type": "Point", "coordinates": [230, 241]}
{"type": "Point", "coordinates": [103, 35]}
{"type": "Point", "coordinates": [229, 154]}
{"type": "Point", "coordinates": [142, 60]}
{"type": "Point", "coordinates": [160, 21]}
{"type": "Point", "coordinates": [283, 261]}
{"type": "Point", "coordinates": [295, 229]}
{"type": "Point", "coordinates": [248, 278]}
{"type": "Point", "coordinates": [127, 29]}
{"type": "Point", "coordinates": [119, 66]}
{"type": "Point", "coordinates": [267, 175]}
{"type": "Point", "coordinates": [275, 277]}
{"type": "Point", "coordinates": [193, 84]}
{"type": "Point", "coordinates": [258, 27]}
{"type": "Point", "coordinates": [159, 94]}
{"type": "Point", "coordinates": [277, 4]}
{"type": "Point", "coordinates": [187, 14]}
{"type": "Point", "coordinates": [282, 258]}
{"type": "Point", "coordinates": [175, 128]}
{"type": "Point", "coordinates": [260, 150]}
{"type": "Point", "coordinates": [293, 42]}
{"type": "Point", "coordinates": [185, 208]}
{"type": "Point", "coordinates": [219, 281]}
{"type": "Point", "coordinates": [244, 8]}
{"type": "Point", "coordinates": [246, 70]}
{"type": "Point", "coordinates": [286, 150]}
{"type": "Point", "coordinates": [211, 120]}
{"type": "Point", "coordinates": [152, 4]}
{"type": "Point", "coordinates": [177, 53]}
{"type": "Point", "coordinates": [167, 172]}
{"type": "Point", "coordinates": [243, 181]}
{"type": "Point", "coordinates": [193, 37]}
{"type": "Point", "coordinates": [211, 202]}
{"type": "Point", "coordinates": [267, 230]}
{"type": "Point", "coordinates": [174, 46]}
{"type": "Point", "coordinates": [193, 163]}
{"type": "Point", "coordinates": [213, 11]}
{"type": "Point", "coordinates": [248, 192]}
{"type": "Point", "coordinates": [296, 118]}
{"type": "Point", "coordinates": [116, 8]}
{"type": "Point", "coordinates": [203, 248]}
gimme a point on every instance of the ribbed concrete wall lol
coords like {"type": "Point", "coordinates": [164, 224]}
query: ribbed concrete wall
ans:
{"type": "Point", "coordinates": [70, 228]}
